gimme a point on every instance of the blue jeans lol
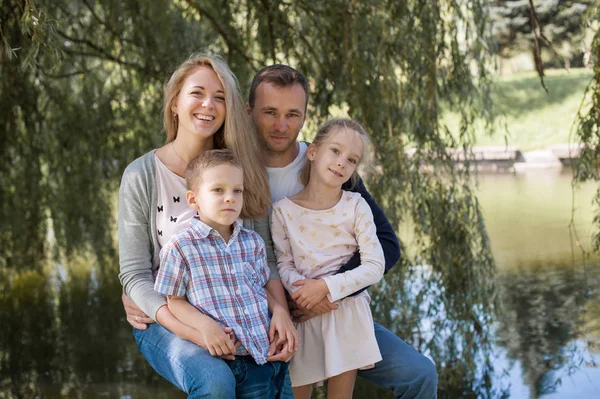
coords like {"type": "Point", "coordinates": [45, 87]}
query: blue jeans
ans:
{"type": "Point", "coordinates": [269, 381]}
{"type": "Point", "coordinates": [403, 370]}
{"type": "Point", "coordinates": [184, 364]}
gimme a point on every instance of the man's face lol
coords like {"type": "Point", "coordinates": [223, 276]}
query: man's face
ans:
{"type": "Point", "coordinates": [278, 115]}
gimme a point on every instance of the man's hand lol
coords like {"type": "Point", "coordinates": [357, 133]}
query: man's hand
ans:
{"type": "Point", "coordinates": [135, 316]}
{"type": "Point", "coordinates": [325, 306]}
{"type": "Point", "coordinates": [312, 292]}
{"type": "Point", "coordinates": [300, 314]}
{"type": "Point", "coordinates": [282, 331]}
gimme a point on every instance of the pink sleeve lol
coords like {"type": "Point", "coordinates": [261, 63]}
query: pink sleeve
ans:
{"type": "Point", "coordinates": [283, 251]}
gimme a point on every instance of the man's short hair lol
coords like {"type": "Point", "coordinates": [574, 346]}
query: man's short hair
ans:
{"type": "Point", "coordinates": [209, 159]}
{"type": "Point", "coordinates": [278, 75]}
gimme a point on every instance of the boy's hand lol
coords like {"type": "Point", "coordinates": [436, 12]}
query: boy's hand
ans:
{"type": "Point", "coordinates": [218, 340]}
{"type": "Point", "coordinates": [312, 292]}
{"type": "Point", "coordinates": [278, 353]}
{"type": "Point", "coordinates": [282, 331]}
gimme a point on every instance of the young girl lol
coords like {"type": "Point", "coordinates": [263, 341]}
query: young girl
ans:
{"type": "Point", "coordinates": [315, 232]}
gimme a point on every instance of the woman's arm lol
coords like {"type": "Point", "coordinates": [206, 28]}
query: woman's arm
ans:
{"type": "Point", "coordinates": [135, 248]}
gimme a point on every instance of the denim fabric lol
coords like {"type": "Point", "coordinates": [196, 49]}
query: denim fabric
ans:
{"type": "Point", "coordinates": [403, 370]}
{"type": "Point", "coordinates": [269, 381]}
{"type": "Point", "coordinates": [186, 365]}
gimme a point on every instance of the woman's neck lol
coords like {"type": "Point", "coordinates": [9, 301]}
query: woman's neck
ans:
{"type": "Point", "coordinates": [186, 148]}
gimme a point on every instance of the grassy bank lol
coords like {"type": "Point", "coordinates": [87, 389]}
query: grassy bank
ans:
{"type": "Point", "coordinates": [533, 118]}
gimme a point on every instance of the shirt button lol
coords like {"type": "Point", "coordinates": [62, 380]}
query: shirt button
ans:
{"type": "Point", "coordinates": [239, 292]}
{"type": "Point", "coordinates": [245, 311]}
{"type": "Point", "coordinates": [232, 271]}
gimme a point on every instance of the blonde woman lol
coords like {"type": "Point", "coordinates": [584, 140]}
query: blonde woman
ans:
{"type": "Point", "coordinates": [203, 110]}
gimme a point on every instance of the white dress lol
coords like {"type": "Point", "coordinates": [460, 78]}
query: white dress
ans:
{"type": "Point", "coordinates": [314, 244]}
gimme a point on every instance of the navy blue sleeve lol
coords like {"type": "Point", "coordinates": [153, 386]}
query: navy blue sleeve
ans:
{"type": "Point", "coordinates": [385, 233]}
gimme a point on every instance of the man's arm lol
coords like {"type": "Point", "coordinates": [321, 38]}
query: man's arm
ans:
{"type": "Point", "coordinates": [385, 233]}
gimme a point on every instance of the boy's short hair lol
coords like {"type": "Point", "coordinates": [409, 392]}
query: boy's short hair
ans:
{"type": "Point", "coordinates": [209, 159]}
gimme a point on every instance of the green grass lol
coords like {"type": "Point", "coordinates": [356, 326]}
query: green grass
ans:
{"type": "Point", "coordinates": [534, 119]}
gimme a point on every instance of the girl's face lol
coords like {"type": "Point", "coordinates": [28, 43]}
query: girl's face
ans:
{"type": "Point", "coordinates": [200, 104]}
{"type": "Point", "coordinates": [335, 159]}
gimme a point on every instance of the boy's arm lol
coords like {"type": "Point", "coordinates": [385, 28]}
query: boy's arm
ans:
{"type": "Point", "coordinates": [385, 233]}
{"type": "Point", "coordinates": [281, 329]}
{"type": "Point", "coordinates": [180, 316]}
{"type": "Point", "coordinates": [216, 338]}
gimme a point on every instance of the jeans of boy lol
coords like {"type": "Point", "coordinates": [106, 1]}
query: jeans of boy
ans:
{"type": "Point", "coordinates": [403, 370]}
{"type": "Point", "coordinates": [269, 381]}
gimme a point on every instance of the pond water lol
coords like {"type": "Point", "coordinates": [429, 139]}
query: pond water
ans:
{"type": "Point", "coordinates": [69, 339]}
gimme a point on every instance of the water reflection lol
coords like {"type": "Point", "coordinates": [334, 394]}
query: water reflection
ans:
{"type": "Point", "coordinates": [64, 334]}
{"type": "Point", "coordinates": [544, 311]}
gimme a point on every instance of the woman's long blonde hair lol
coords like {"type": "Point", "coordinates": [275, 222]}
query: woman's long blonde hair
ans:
{"type": "Point", "coordinates": [236, 133]}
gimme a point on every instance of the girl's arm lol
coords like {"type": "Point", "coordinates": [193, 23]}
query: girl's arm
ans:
{"type": "Point", "coordinates": [385, 233]}
{"type": "Point", "coordinates": [371, 256]}
{"type": "Point", "coordinates": [283, 250]}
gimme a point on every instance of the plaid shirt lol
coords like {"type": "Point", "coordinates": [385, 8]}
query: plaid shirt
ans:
{"type": "Point", "coordinates": [223, 280]}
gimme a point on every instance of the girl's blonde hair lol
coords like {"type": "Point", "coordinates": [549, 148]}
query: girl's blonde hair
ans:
{"type": "Point", "coordinates": [327, 130]}
{"type": "Point", "coordinates": [236, 133]}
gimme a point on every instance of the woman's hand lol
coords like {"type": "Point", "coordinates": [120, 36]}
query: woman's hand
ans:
{"type": "Point", "coordinates": [135, 316]}
{"type": "Point", "coordinates": [312, 292]}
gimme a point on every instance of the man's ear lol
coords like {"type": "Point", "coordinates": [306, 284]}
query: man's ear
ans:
{"type": "Point", "coordinates": [248, 109]}
{"type": "Point", "coordinates": [191, 200]}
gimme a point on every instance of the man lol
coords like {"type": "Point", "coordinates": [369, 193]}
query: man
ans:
{"type": "Point", "coordinates": [277, 105]}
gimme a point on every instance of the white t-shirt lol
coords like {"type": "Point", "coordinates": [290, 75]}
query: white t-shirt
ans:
{"type": "Point", "coordinates": [173, 213]}
{"type": "Point", "coordinates": [284, 182]}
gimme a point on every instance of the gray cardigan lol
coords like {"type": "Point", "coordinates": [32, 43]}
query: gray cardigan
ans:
{"type": "Point", "coordinates": [138, 242]}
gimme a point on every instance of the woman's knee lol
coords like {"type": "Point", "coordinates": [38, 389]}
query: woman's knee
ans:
{"type": "Point", "coordinates": [219, 384]}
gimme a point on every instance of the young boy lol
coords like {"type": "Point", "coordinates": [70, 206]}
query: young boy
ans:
{"type": "Point", "coordinates": [221, 268]}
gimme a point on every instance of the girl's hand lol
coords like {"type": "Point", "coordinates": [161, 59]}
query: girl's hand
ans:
{"type": "Point", "coordinates": [312, 292]}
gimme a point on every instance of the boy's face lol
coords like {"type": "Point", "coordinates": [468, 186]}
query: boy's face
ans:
{"type": "Point", "coordinates": [219, 196]}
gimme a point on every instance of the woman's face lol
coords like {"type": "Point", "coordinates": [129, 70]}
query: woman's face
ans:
{"type": "Point", "coordinates": [200, 104]}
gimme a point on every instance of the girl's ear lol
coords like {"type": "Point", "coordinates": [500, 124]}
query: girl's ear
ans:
{"type": "Point", "coordinates": [311, 151]}
{"type": "Point", "coordinates": [191, 200]}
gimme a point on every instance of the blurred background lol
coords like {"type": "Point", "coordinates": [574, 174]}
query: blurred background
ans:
{"type": "Point", "coordinates": [485, 120]}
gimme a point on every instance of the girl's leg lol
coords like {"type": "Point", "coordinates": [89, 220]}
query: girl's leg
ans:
{"type": "Point", "coordinates": [186, 365]}
{"type": "Point", "coordinates": [341, 386]}
{"type": "Point", "coordinates": [302, 392]}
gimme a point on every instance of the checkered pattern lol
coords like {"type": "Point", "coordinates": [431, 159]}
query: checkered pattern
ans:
{"type": "Point", "coordinates": [223, 280]}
